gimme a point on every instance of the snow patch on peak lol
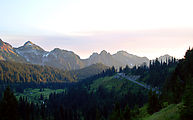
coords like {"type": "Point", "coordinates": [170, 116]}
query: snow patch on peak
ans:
{"type": "Point", "coordinates": [46, 55]}
{"type": "Point", "coordinates": [28, 43]}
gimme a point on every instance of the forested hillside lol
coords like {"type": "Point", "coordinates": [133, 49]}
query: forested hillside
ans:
{"type": "Point", "coordinates": [155, 74]}
{"type": "Point", "coordinates": [11, 72]}
{"type": "Point", "coordinates": [105, 96]}
{"type": "Point", "coordinates": [89, 71]}
{"type": "Point", "coordinates": [177, 92]}
{"type": "Point", "coordinates": [179, 87]}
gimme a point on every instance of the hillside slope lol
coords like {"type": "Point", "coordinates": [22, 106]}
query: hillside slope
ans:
{"type": "Point", "coordinates": [8, 53]}
{"type": "Point", "coordinates": [11, 72]}
{"type": "Point", "coordinates": [89, 71]}
{"type": "Point", "coordinates": [169, 113]}
{"type": "Point", "coordinates": [118, 85]}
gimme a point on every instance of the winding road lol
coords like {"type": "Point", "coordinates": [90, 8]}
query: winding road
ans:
{"type": "Point", "coordinates": [133, 79]}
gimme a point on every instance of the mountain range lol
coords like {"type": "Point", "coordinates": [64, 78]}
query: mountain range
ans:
{"type": "Point", "coordinates": [68, 60]}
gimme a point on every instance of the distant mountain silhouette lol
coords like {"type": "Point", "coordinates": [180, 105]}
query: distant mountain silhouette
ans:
{"type": "Point", "coordinates": [68, 60]}
{"type": "Point", "coordinates": [121, 58]}
{"type": "Point", "coordinates": [165, 58]}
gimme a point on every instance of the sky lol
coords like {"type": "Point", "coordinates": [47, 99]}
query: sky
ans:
{"type": "Point", "coordinates": [148, 28]}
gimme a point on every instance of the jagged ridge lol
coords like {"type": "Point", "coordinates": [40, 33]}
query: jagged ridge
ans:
{"type": "Point", "coordinates": [66, 60]}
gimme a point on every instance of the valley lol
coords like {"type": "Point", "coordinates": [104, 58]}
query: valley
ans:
{"type": "Point", "coordinates": [96, 60]}
{"type": "Point", "coordinates": [58, 85]}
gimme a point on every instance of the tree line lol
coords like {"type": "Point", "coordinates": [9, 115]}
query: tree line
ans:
{"type": "Point", "coordinates": [11, 72]}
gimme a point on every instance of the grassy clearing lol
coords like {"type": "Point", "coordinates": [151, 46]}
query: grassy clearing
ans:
{"type": "Point", "coordinates": [169, 113]}
{"type": "Point", "coordinates": [33, 95]}
{"type": "Point", "coordinates": [121, 86]}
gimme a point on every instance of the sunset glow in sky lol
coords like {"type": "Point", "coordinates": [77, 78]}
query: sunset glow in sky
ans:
{"type": "Point", "coordinates": [143, 27]}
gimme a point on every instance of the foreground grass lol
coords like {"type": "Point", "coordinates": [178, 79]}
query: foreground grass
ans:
{"type": "Point", "coordinates": [169, 113]}
{"type": "Point", "coordinates": [33, 95]}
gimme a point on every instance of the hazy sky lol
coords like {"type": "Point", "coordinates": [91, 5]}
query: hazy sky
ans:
{"type": "Point", "coordinates": [143, 27]}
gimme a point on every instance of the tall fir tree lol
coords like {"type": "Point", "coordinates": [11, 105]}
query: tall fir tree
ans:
{"type": "Point", "coordinates": [153, 102]}
{"type": "Point", "coordinates": [186, 112]}
{"type": "Point", "coordinates": [9, 106]}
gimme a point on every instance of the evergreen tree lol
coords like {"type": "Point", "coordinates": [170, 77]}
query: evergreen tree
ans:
{"type": "Point", "coordinates": [17, 77]}
{"type": "Point", "coordinates": [43, 111]}
{"type": "Point", "coordinates": [61, 114]}
{"type": "Point", "coordinates": [41, 97]}
{"type": "Point", "coordinates": [120, 70]}
{"type": "Point", "coordinates": [186, 112]}
{"type": "Point", "coordinates": [127, 113]}
{"type": "Point", "coordinates": [153, 103]}
{"type": "Point", "coordinates": [117, 113]}
{"type": "Point", "coordinates": [9, 106]}
{"type": "Point", "coordinates": [98, 115]}
{"type": "Point", "coordinates": [2, 76]}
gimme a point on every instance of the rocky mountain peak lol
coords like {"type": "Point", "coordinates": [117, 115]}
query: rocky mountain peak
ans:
{"type": "Point", "coordinates": [30, 46]}
{"type": "Point", "coordinates": [122, 53]}
{"type": "Point", "coordinates": [68, 60]}
{"type": "Point", "coordinates": [1, 42]}
{"type": "Point", "coordinates": [56, 50]}
{"type": "Point", "coordinates": [104, 52]}
{"type": "Point", "coordinates": [5, 46]}
{"type": "Point", "coordinates": [165, 58]}
{"type": "Point", "coordinates": [7, 52]}
{"type": "Point", "coordinates": [94, 54]}
{"type": "Point", "coordinates": [28, 43]}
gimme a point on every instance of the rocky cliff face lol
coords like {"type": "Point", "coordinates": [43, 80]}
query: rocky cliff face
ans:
{"type": "Point", "coordinates": [7, 52]}
{"type": "Point", "coordinates": [104, 57]}
{"type": "Point", "coordinates": [31, 52]}
{"type": "Point", "coordinates": [121, 58]}
{"type": "Point", "coordinates": [62, 59]}
{"type": "Point", "coordinates": [131, 60]}
{"type": "Point", "coordinates": [58, 58]}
